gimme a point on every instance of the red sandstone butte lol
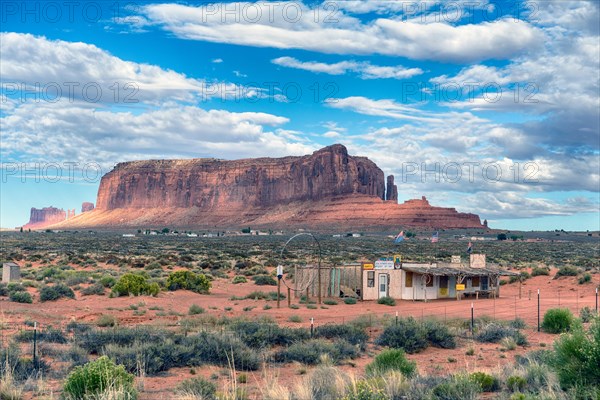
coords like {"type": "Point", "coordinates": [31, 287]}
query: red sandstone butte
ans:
{"type": "Point", "coordinates": [41, 218]}
{"type": "Point", "coordinates": [326, 190]}
{"type": "Point", "coordinates": [87, 206]}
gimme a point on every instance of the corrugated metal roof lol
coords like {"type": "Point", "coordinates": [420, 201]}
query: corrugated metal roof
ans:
{"type": "Point", "coordinates": [448, 270]}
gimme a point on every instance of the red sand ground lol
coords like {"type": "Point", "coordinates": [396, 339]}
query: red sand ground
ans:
{"type": "Point", "coordinates": [562, 292]}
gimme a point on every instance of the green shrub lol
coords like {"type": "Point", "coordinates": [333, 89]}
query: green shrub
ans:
{"type": "Point", "coordinates": [295, 318]}
{"type": "Point", "coordinates": [557, 320]}
{"type": "Point", "coordinates": [577, 356]}
{"type": "Point", "coordinates": [351, 333]}
{"type": "Point", "coordinates": [330, 302]}
{"type": "Point", "coordinates": [106, 320]}
{"type": "Point", "coordinates": [20, 297]}
{"type": "Point", "coordinates": [585, 278]}
{"type": "Point", "coordinates": [134, 284]}
{"type": "Point", "coordinates": [49, 335]}
{"type": "Point", "coordinates": [196, 309]}
{"type": "Point", "coordinates": [516, 383]}
{"type": "Point", "coordinates": [350, 300]}
{"type": "Point", "coordinates": [159, 355]}
{"type": "Point", "coordinates": [458, 387]}
{"type": "Point", "coordinates": [50, 293]}
{"type": "Point", "coordinates": [311, 351]}
{"type": "Point", "coordinates": [264, 280]}
{"type": "Point", "coordinates": [262, 335]}
{"type": "Point", "coordinates": [108, 281]}
{"type": "Point", "coordinates": [538, 271]}
{"type": "Point", "coordinates": [199, 387]}
{"type": "Point", "coordinates": [408, 334]}
{"type": "Point", "coordinates": [189, 280]}
{"type": "Point", "coordinates": [239, 279]}
{"type": "Point", "coordinates": [495, 332]}
{"type": "Point", "coordinates": [439, 335]}
{"type": "Point", "coordinates": [95, 289]}
{"type": "Point", "coordinates": [391, 360]}
{"type": "Point", "coordinates": [567, 270]}
{"type": "Point", "coordinates": [3, 289]}
{"type": "Point", "coordinates": [487, 382]}
{"type": "Point", "coordinates": [587, 314]}
{"type": "Point", "coordinates": [387, 300]}
{"type": "Point", "coordinates": [97, 376]}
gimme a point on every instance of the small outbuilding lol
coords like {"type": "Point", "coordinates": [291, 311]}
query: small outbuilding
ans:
{"type": "Point", "coordinates": [11, 272]}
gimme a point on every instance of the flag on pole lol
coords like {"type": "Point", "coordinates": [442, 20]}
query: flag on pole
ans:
{"type": "Point", "coordinates": [400, 237]}
{"type": "Point", "coordinates": [435, 237]}
{"type": "Point", "coordinates": [469, 248]}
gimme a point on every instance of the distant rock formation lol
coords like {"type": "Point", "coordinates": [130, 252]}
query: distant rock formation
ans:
{"type": "Point", "coordinates": [327, 190]}
{"type": "Point", "coordinates": [391, 190]}
{"type": "Point", "coordinates": [87, 206]}
{"type": "Point", "coordinates": [41, 218]}
{"type": "Point", "coordinates": [70, 213]}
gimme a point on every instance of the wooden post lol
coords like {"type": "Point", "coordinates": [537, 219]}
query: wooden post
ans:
{"type": "Point", "coordinates": [289, 298]}
{"type": "Point", "coordinates": [319, 282]}
{"type": "Point", "coordinates": [278, 292]}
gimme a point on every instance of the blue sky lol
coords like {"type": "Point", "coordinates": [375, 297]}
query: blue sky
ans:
{"type": "Point", "coordinates": [487, 106]}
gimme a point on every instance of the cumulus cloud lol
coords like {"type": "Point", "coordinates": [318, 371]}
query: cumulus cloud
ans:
{"type": "Point", "coordinates": [294, 25]}
{"type": "Point", "coordinates": [83, 134]}
{"type": "Point", "coordinates": [365, 70]}
{"type": "Point", "coordinates": [510, 205]}
{"type": "Point", "coordinates": [79, 71]}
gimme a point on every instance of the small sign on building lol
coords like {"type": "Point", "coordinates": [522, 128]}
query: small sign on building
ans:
{"type": "Point", "coordinates": [477, 261]}
{"type": "Point", "coordinates": [456, 260]}
{"type": "Point", "coordinates": [460, 286]}
{"type": "Point", "coordinates": [384, 263]}
{"type": "Point", "coordinates": [368, 266]}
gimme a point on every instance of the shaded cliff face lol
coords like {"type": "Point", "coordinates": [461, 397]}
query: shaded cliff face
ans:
{"type": "Point", "coordinates": [258, 183]}
{"type": "Point", "coordinates": [40, 218]}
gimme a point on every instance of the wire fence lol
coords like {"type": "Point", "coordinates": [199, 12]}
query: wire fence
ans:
{"type": "Point", "coordinates": [530, 307]}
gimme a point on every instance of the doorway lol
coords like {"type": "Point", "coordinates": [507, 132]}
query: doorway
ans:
{"type": "Point", "coordinates": [383, 285]}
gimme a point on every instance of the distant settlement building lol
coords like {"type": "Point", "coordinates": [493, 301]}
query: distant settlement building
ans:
{"type": "Point", "coordinates": [11, 272]}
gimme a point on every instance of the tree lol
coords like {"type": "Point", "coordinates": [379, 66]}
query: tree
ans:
{"type": "Point", "coordinates": [165, 230]}
{"type": "Point", "coordinates": [501, 236]}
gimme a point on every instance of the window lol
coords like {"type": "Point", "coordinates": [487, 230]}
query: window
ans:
{"type": "Point", "coordinates": [475, 281]}
{"type": "Point", "coordinates": [408, 279]}
{"type": "Point", "coordinates": [370, 278]}
{"type": "Point", "coordinates": [429, 280]}
{"type": "Point", "coordinates": [443, 282]}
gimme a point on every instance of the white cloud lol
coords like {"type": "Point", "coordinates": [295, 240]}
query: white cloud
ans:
{"type": "Point", "coordinates": [276, 26]}
{"type": "Point", "coordinates": [509, 205]}
{"type": "Point", "coordinates": [90, 73]}
{"type": "Point", "coordinates": [217, 61]}
{"type": "Point", "coordinates": [365, 69]}
{"type": "Point", "coordinates": [83, 134]}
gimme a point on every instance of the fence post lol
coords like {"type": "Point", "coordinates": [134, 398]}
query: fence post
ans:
{"type": "Point", "coordinates": [35, 363]}
{"type": "Point", "coordinates": [596, 300]}
{"type": "Point", "coordinates": [396, 318]}
{"type": "Point", "coordinates": [289, 298]}
{"type": "Point", "coordinates": [472, 319]}
{"type": "Point", "coordinates": [538, 310]}
{"type": "Point", "coordinates": [312, 327]}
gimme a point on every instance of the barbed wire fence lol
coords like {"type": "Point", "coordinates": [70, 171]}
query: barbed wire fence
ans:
{"type": "Point", "coordinates": [529, 307]}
